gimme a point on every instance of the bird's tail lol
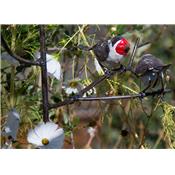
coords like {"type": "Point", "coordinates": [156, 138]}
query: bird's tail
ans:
{"type": "Point", "coordinates": [165, 67]}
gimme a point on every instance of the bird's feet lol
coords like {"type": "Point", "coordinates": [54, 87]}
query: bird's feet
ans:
{"type": "Point", "coordinates": [142, 94]}
{"type": "Point", "coordinates": [122, 69]}
{"type": "Point", "coordinates": [108, 72]}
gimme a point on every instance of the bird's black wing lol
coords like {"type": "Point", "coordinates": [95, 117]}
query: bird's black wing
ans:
{"type": "Point", "coordinates": [148, 62]}
{"type": "Point", "coordinates": [101, 50]}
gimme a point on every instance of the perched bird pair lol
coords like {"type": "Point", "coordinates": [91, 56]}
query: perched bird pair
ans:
{"type": "Point", "coordinates": [111, 52]}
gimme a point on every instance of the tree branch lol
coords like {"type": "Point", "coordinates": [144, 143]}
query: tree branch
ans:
{"type": "Point", "coordinates": [44, 75]}
{"type": "Point", "coordinates": [16, 57]}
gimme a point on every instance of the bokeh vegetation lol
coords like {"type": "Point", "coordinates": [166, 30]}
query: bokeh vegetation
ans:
{"type": "Point", "coordinates": [149, 123]}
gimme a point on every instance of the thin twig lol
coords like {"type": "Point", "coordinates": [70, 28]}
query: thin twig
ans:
{"type": "Point", "coordinates": [133, 54]}
{"type": "Point", "coordinates": [144, 44]}
{"type": "Point", "coordinates": [70, 39]}
{"type": "Point", "coordinates": [44, 75]}
{"type": "Point", "coordinates": [161, 135]}
{"type": "Point", "coordinates": [16, 57]}
{"type": "Point", "coordinates": [96, 82]}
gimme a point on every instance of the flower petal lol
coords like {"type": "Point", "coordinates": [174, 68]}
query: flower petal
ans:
{"type": "Point", "coordinates": [39, 131]}
{"type": "Point", "coordinates": [57, 140]}
{"type": "Point", "coordinates": [56, 134]}
{"type": "Point", "coordinates": [70, 90]}
{"type": "Point", "coordinates": [57, 143]}
{"type": "Point", "coordinates": [33, 138]}
{"type": "Point", "coordinates": [47, 130]}
{"type": "Point", "coordinates": [53, 67]}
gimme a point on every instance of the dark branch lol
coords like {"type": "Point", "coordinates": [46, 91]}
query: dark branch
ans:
{"type": "Point", "coordinates": [44, 75]}
{"type": "Point", "coordinates": [80, 94]}
{"type": "Point", "coordinates": [144, 44]}
{"type": "Point", "coordinates": [98, 81]}
{"type": "Point", "coordinates": [158, 92]}
{"type": "Point", "coordinates": [16, 57]}
{"type": "Point", "coordinates": [139, 95]}
{"type": "Point", "coordinates": [133, 54]}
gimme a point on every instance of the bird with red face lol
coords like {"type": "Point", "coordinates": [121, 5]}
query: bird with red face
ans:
{"type": "Point", "coordinates": [110, 52]}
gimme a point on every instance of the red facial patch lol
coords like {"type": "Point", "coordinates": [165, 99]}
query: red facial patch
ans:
{"type": "Point", "coordinates": [122, 47]}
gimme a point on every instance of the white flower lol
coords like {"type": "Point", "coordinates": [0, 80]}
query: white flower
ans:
{"type": "Point", "coordinates": [71, 90]}
{"type": "Point", "coordinates": [53, 66]}
{"type": "Point", "coordinates": [12, 124]}
{"type": "Point", "coordinates": [98, 67]}
{"type": "Point", "coordinates": [73, 87]}
{"type": "Point", "coordinates": [90, 92]}
{"type": "Point", "coordinates": [46, 136]}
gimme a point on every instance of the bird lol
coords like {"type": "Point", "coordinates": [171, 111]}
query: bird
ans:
{"type": "Point", "coordinates": [12, 125]}
{"type": "Point", "coordinates": [152, 71]}
{"type": "Point", "coordinates": [109, 53]}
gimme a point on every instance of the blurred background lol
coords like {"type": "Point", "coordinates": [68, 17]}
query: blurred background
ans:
{"type": "Point", "coordinates": [106, 124]}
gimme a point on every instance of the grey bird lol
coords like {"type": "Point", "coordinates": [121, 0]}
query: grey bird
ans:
{"type": "Point", "coordinates": [152, 71]}
{"type": "Point", "coordinates": [12, 124]}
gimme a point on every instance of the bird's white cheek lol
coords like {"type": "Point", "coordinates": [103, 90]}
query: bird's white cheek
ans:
{"type": "Point", "coordinates": [113, 55]}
